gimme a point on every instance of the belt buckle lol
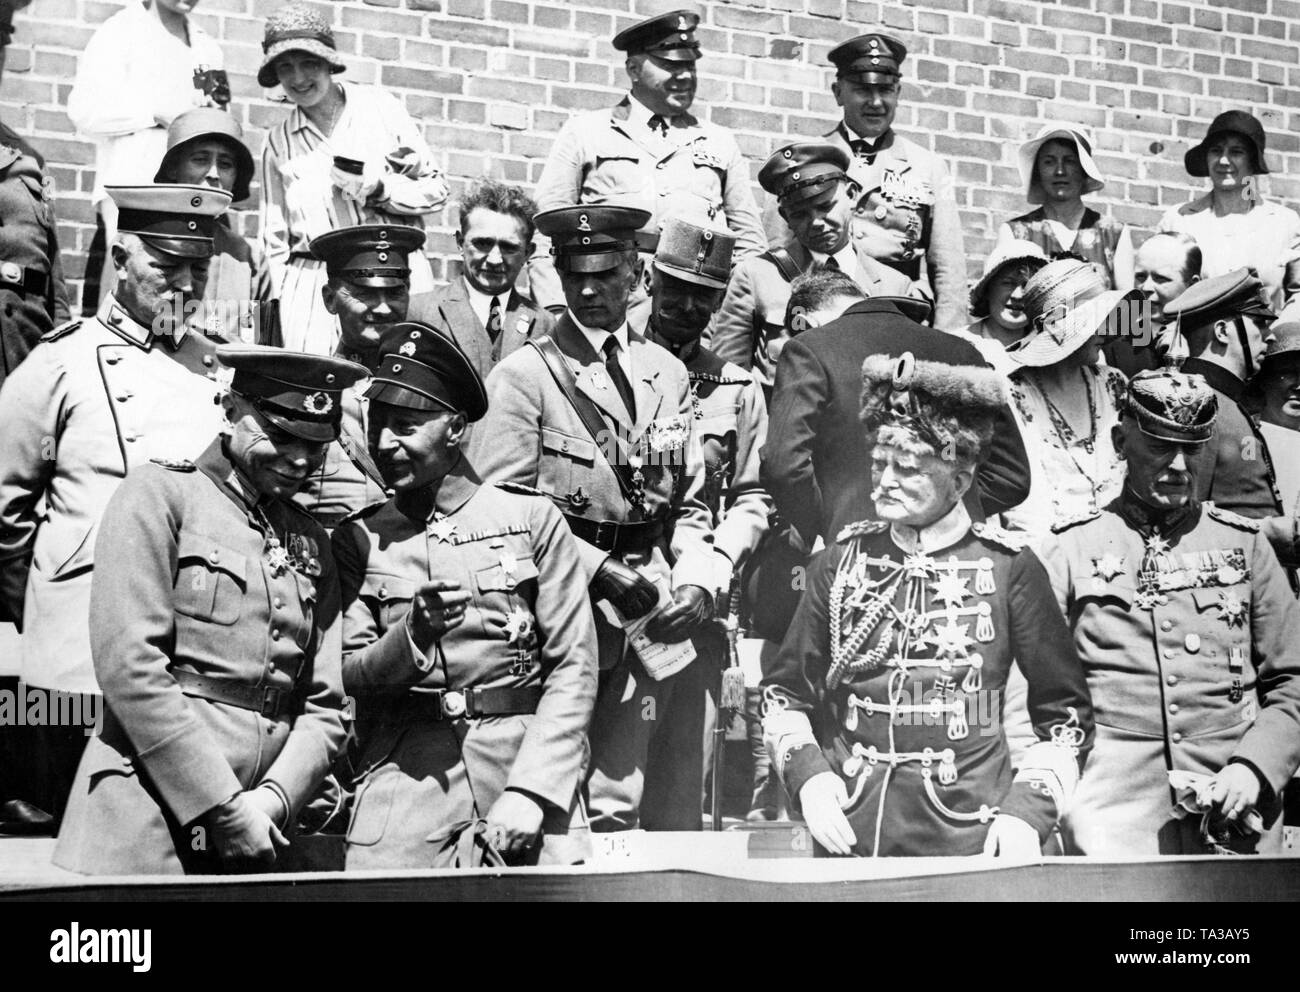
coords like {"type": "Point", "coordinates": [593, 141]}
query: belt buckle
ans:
{"type": "Point", "coordinates": [11, 272]}
{"type": "Point", "coordinates": [453, 704]}
{"type": "Point", "coordinates": [271, 702]}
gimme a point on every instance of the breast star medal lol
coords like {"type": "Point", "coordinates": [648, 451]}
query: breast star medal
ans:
{"type": "Point", "coordinates": [443, 530]}
{"type": "Point", "coordinates": [519, 625]}
{"type": "Point", "coordinates": [277, 558]}
{"type": "Point", "coordinates": [1232, 610]}
{"type": "Point", "coordinates": [950, 588]}
{"type": "Point", "coordinates": [1108, 566]}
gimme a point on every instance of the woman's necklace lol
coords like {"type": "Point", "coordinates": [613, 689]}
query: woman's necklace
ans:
{"type": "Point", "coordinates": [1064, 432]}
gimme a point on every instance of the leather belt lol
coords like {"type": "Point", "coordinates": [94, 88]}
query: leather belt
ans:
{"type": "Point", "coordinates": [617, 538]}
{"type": "Point", "coordinates": [452, 704]}
{"type": "Point", "coordinates": [23, 280]}
{"type": "Point", "coordinates": [271, 701]}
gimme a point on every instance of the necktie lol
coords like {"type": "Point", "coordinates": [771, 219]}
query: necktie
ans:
{"type": "Point", "coordinates": [494, 319]}
{"type": "Point", "coordinates": [658, 125]}
{"type": "Point", "coordinates": [863, 151]}
{"type": "Point", "coordinates": [616, 375]}
{"type": "Point", "coordinates": [831, 264]}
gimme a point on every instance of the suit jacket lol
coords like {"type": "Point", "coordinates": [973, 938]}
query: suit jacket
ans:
{"type": "Point", "coordinates": [185, 582]}
{"type": "Point", "coordinates": [448, 309]}
{"type": "Point", "coordinates": [515, 556]}
{"type": "Point", "coordinates": [906, 188]}
{"type": "Point", "coordinates": [1162, 677]}
{"type": "Point", "coordinates": [816, 464]}
{"type": "Point", "coordinates": [95, 399]}
{"type": "Point", "coordinates": [533, 436]}
{"type": "Point", "coordinates": [603, 156]}
{"type": "Point", "coordinates": [753, 311]}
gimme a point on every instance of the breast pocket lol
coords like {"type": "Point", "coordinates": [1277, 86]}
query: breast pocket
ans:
{"type": "Point", "coordinates": [210, 580]}
{"type": "Point", "coordinates": [567, 461]}
{"type": "Point", "coordinates": [388, 596]}
{"type": "Point", "coordinates": [616, 171]}
{"type": "Point", "coordinates": [512, 573]}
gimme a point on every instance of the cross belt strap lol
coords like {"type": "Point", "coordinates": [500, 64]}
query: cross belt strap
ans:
{"type": "Point", "coordinates": [452, 704]}
{"type": "Point", "coordinates": [270, 701]}
{"type": "Point", "coordinates": [591, 417]}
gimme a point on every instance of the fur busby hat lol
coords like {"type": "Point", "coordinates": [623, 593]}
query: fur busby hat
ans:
{"type": "Point", "coordinates": [950, 408]}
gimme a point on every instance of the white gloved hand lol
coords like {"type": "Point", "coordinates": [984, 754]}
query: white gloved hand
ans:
{"type": "Point", "coordinates": [823, 798]}
{"type": "Point", "coordinates": [1012, 838]}
{"type": "Point", "coordinates": [359, 188]}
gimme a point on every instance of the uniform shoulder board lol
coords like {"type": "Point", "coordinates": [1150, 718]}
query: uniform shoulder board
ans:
{"type": "Point", "coordinates": [861, 529]}
{"type": "Point", "coordinates": [63, 330]}
{"type": "Point", "coordinates": [174, 464]}
{"type": "Point", "coordinates": [1231, 519]}
{"type": "Point", "coordinates": [366, 511]}
{"type": "Point", "coordinates": [1008, 540]}
{"type": "Point", "coordinates": [519, 489]}
{"type": "Point", "coordinates": [1063, 525]}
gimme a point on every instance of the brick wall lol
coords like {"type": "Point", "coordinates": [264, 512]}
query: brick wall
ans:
{"type": "Point", "coordinates": [493, 80]}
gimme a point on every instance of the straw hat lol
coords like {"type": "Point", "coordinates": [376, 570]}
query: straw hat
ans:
{"type": "Point", "coordinates": [1073, 134]}
{"type": "Point", "coordinates": [296, 28]}
{"type": "Point", "coordinates": [1011, 252]}
{"type": "Point", "coordinates": [1067, 303]}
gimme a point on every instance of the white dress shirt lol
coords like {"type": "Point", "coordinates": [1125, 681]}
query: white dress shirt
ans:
{"type": "Point", "coordinates": [597, 337]}
{"type": "Point", "coordinates": [481, 303]}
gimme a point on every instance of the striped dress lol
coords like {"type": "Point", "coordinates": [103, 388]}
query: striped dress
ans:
{"type": "Point", "coordinates": [299, 203]}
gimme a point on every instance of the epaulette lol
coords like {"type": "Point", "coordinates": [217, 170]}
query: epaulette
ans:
{"type": "Point", "coordinates": [1063, 525]}
{"type": "Point", "coordinates": [174, 464]}
{"type": "Point", "coordinates": [519, 489]}
{"type": "Point", "coordinates": [861, 528]}
{"type": "Point", "coordinates": [1231, 519]}
{"type": "Point", "coordinates": [366, 511]}
{"type": "Point", "coordinates": [63, 330]}
{"type": "Point", "coordinates": [1008, 540]}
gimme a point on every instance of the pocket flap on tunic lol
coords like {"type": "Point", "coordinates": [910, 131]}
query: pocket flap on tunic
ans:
{"type": "Point", "coordinates": [215, 555]}
{"type": "Point", "coordinates": [577, 448]}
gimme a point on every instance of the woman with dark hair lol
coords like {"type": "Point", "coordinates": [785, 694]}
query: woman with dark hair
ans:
{"type": "Point", "coordinates": [205, 147]}
{"type": "Point", "coordinates": [1232, 223]}
{"type": "Point", "coordinates": [346, 155]}
{"type": "Point", "coordinates": [1057, 168]}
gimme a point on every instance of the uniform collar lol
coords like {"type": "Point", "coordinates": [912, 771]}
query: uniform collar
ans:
{"type": "Point", "coordinates": [639, 114]}
{"type": "Point", "coordinates": [943, 533]}
{"type": "Point", "coordinates": [115, 317]}
{"type": "Point", "coordinates": [369, 359]}
{"type": "Point", "coordinates": [453, 492]}
{"type": "Point", "coordinates": [685, 352]}
{"type": "Point", "coordinates": [886, 140]}
{"type": "Point", "coordinates": [216, 464]}
{"type": "Point", "coordinates": [1217, 376]}
{"type": "Point", "coordinates": [845, 258]}
{"type": "Point", "coordinates": [1148, 520]}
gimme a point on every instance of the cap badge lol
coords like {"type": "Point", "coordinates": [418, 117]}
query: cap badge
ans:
{"type": "Point", "coordinates": [683, 24]}
{"type": "Point", "coordinates": [788, 153]}
{"type": "Point", "coordinates": [318, 403]}
{"type": "Point", "coordinates": [382, 256]}
{"type": "Point", "coordinates": [329, 378]}
{"type": "Point", "coordinates": [1184, 406]}
{"type": "Point", "coordinates": [193, 225]}
{"type": "Point", "coordinates": [415, 335]}
{"type": "Point", "coordinates": [383, 235]}
{"type": "Point", "coordinates": [583, 223]}
{"type": "Point", "coordinates": [196, 201]}
{"type": "Point", "coordinates": [407, 349]}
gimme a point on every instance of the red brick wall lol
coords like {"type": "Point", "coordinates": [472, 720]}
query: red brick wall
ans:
{"type": "Point", "coordinates": [493, 80]}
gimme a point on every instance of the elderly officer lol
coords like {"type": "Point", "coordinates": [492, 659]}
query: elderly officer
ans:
{"type": "Point", "coordinates": [908, 219]}
{"type": "Point", "coordinates": [816, 198]}
{"type": "Point", "coordinates": [1186, 629]}
{"type": "Point", "coordinates": [900, 650]}
{"type": "Point", "coordinates": [602, 421]}
{"type": "Point", "coordinates": [482, 311]}
{"type": "Point", "coordinates": [650, 151]}
{"type": "Point", "coordinates": [469, 648]}
{"type": "Point", "coordinates": [367, 287]}
{"type": "Point", "coordinates": [689, 277]}
{"type": "Point", "coordinates": [1225, 322]}
{"type": "Point", "coordinates": [95, 399]}
{"type": "Point", "coordinates": [217, 638]}
{"type": "Point", "coordinates": [205, 146]}
{"type": "Point", "coordinates": [32, 292]}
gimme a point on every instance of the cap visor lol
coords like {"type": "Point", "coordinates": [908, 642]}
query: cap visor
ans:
{"type": "Point", "coordinates": [689, 275]}
{"type": "Point", "coordinates": [1164, 433]}
{"type": "Point", "coordinates": [376, 282]}
{"type": "Point", "coordinates": [180, 247]}
{"type": "Point", "coordinates": [307, 430]}
{"type": "Point", "coordinates": [401, 394]}
{"type": "Point", "coordinates": [595, 262]}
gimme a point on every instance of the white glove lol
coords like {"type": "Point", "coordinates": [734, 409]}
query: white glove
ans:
{"type": "Point", "coordinates": [823, 798]}
{"type": "Point", "coordinates": [359, 188]}
{"type": "Point", "coordinates": [1012, 838]}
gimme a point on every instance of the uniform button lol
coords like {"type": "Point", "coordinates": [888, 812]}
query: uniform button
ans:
{"type": "Point", "coordinates": [279, 603]}
{"type": "Point", "coordinates": [275, 635]}
{"type": "Point", "coordinates": [1173, 707]}
{"type": "Point", "coordinates": [1176, 737]}
{"type": "Point", "coordinates": [123, 397]}
{"type": "Point", "coordinates": [1192, 642]}
{"type": "Point", "coordinates": [214, 557]}
{"type": "Point", "coordinates": [113, 359]}
{"type": "Point", "coordinates": [1166, 625]}
{"type": "Point", "coordinates": [131, 438]}
{"type": "Point", "coordinates": [271, 668]}
{"type": "Point", "coordinates": [564, 445]}
{"type": "Point", "coordinates": [383, 591]}
{"type": "Point", "coordinates": [660, 165]}
{"type": "Point", "coordinates": [1170, 652]}
{"type": "Point", "coordinates": [1172, 680]}
{"type": "Point", "coordinates": [207, 360]}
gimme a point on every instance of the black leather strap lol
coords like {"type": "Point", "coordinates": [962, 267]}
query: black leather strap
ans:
{"type": "Point", "coordinates": [451, 704]}
{"type": "Point", "coordinates": [21, 279]}
{"type": "Point", "coordinates": [270, 701]}
{"type": "Point", "coordinates": [784, 263]}
{"type": "Point", "coordinates": [617, 538]}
